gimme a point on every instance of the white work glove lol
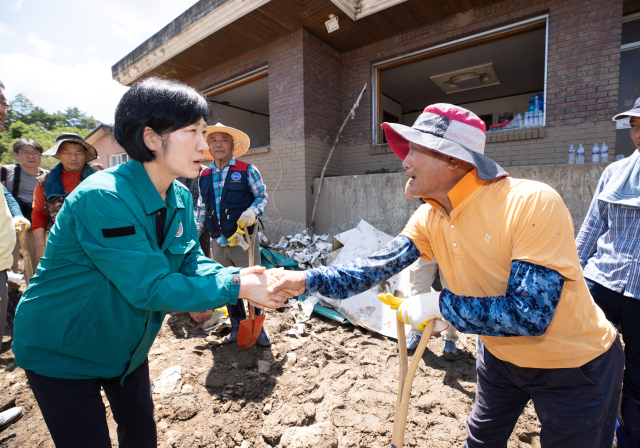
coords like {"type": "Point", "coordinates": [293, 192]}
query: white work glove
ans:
{"type": "Point", "coordinates": [20, 223]}
{"type": "Point", "coordinates": [248, 218]}
{"type": "Point", "coordinates": [418, 310]}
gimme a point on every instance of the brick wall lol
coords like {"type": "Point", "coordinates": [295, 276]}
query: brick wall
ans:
{"type": "Point", "coordinates": [305, 88]}
{"type": "Point", "coordinates": [312, 87]}
{"type": "Point", "coordinates": [631, 6]}
{"type": "Point", "coordinates": [583, 72]}
{"type": "Point", "coordinates": [584, 61]}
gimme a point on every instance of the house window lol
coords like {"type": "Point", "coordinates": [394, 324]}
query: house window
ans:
{"type": "Point", "coordinates": [243, 103]}
{"type": "Point", "coordinates": [498, 75]}
{"type": "Point", "coordinates": [117, 159]}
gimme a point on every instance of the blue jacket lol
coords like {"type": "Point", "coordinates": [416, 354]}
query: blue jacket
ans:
{"type": "Point", "coordinates": [236, 198]}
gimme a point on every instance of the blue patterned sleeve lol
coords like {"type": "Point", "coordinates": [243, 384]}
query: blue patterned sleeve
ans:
{"type": "Point", "coordinates": [533, 293]}
{"type": "Point", "coordinates": [355, 277]}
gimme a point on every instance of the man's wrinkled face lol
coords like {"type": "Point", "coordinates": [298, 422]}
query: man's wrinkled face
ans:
{"type": "Point", "coordinates": [3, 111]}
{"type": "Point", "coordinates": [72, 155]}
{"type": "Point", "coordinates": [220, 145]}
{"type": "Point", "coordinates": [635, 131]}
{"type": "Point", "coordinates": [425, 169]}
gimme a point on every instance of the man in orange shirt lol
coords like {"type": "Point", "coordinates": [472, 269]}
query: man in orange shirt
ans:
{"type": "Point", "coordinates": [74, 154]}
{"type": "Point", "coordinates": [507, 252]}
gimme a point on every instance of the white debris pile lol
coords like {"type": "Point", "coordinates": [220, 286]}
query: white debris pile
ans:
{"type": "Point", "coordinates": [308, 250]}
{"type": "Point", "coordinates": [365, 309]}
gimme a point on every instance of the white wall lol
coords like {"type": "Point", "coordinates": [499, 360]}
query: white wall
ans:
{"type": "Point", "coordinates": [518, 103]}
{"type": "Point", "coordinates": [254, 125]}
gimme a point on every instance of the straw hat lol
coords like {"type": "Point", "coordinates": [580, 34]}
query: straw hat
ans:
{"type": "Point", "coordinates": [240, 139]}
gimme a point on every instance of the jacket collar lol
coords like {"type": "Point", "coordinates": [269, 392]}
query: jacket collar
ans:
{"type": "Point", "coordinates": [231, 162]}
{"type": "Point", "coordinates": [55, 188]}
{"type": "Point", "coordinates": [461, 191]}
{"type": "Point", "coordinates": [151, 199]}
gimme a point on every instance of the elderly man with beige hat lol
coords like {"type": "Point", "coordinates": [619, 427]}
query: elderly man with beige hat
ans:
{"type": "Point", "coordinates": [53, 187]}
{"type": "Point", "coordinates": [232, 196]}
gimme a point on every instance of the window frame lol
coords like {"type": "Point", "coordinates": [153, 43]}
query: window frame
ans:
{"type": "Point", "coordinates": [119, 155]}
{"type": "Point", "coordinates": [378, 67]}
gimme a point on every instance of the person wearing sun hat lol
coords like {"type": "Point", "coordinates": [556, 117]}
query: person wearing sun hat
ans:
{"type": "Point", "coordinates": [506, 250]}
{"type": "Point", "coordinates": [53, 187]}
{"type": "Point", "coordinates": [232, 196]}
{"type": "Point", "coordinates": [609, 250]}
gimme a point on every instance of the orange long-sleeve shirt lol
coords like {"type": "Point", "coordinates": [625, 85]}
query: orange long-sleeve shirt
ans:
{"type": "Point", "coordinates": [39, 216]}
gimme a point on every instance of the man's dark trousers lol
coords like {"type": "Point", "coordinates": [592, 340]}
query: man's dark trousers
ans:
{"type": "Point", "coordinates": [76, 416]}
{"type": "Point", "coordinates": [577, 407]}
{"type": "Point", "coordinates": [625, 312]}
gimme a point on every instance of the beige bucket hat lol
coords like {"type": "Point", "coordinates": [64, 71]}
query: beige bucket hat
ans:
{"type": "Point", "coordinates": [241, 140]}
{"type": "Point", "coordinates": [92, 154]}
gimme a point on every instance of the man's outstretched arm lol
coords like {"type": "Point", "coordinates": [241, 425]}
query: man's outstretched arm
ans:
{"type": "Point", "coordinates": [353, 277]}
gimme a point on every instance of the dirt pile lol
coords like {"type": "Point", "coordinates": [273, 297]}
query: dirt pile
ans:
{"type": "Point", "coordinates": [332, 390]}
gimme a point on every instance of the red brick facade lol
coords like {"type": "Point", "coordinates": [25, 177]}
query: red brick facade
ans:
{"type": "Point", "coordinates": [583, 59]}
{"type": "Point", "coordinates": [631, 7]}
{"type": "Point", "coordinates": [312, 87]}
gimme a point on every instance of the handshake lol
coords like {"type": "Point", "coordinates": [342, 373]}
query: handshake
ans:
{"type": "Point", "coordinates": [270, 288]}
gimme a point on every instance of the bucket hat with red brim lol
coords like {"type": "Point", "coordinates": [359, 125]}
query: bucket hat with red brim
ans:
{"type": "Point", "coordinates": [449, 130]}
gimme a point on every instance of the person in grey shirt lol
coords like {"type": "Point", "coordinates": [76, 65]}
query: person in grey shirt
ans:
{"type": "Point", "coordinates": [20, 180]}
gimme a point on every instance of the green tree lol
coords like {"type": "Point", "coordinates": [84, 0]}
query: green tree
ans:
{"type": "Point", "coordinates": [26, 120]}
{"type": "Point", "coordinates": [23, 110]}
{"type": "Point", "coordinates": [46, 138]}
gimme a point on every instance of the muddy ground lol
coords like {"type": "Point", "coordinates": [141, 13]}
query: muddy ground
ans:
{"type": "Point", "coordinates": [335, 389]}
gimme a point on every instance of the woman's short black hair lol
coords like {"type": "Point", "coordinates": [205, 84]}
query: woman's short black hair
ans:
{"type": "Point", "coordinates": [165, 106]}
{"type": "Point", "coordinates": [17, 146]}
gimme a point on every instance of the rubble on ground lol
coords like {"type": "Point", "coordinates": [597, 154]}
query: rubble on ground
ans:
{"type": "Point", "coordinates": [334, 386]}
{"type": "Point", "coordinates": [307, 249]}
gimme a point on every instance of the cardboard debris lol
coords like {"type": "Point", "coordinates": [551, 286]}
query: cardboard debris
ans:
{"type": "Point", "coordinates": [365, 309]}
{"type": "Point", "coordinates": [341, 239]}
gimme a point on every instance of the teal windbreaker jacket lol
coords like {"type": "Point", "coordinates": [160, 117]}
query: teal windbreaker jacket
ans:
{"type": "Point", "coordinates": [103, 287]}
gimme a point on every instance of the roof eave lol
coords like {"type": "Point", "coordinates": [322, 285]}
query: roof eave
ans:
{"type": "Point", "coordinates": [224, 15]}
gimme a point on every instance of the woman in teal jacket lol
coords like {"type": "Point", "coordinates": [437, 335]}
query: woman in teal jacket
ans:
{"type": "Point", "coordinates": [123, 252]}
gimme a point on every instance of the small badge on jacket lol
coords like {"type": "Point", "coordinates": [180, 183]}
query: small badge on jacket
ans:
{"type": "Point", "coordinates": [179, 234]}
{"type": "Point", "coordinates": [235, 176]}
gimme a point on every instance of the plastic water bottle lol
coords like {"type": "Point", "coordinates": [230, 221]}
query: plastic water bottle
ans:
{"type": "Point", "coordinates": [580, 158]}
{"type": "Point", "coordinates": [571, 160]}
{"type": "Point", "coordinates": [595, 154]}
{"type": "Point", "coordinates": [619, 157]}
{"type": "Point", "coordinates": [604, 153]}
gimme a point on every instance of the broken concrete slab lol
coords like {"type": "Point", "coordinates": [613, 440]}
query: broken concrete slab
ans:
{"type": "Point", "coordinates": [365, 309]}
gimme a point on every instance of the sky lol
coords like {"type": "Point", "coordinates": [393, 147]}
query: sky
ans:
{"type": "Point", "coordinates": [59, 53]}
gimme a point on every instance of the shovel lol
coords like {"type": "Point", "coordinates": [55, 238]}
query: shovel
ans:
{"type": "Point", "coordinates": [250, 328]}
{"type": "Point", "coordinates": [405, 379]}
